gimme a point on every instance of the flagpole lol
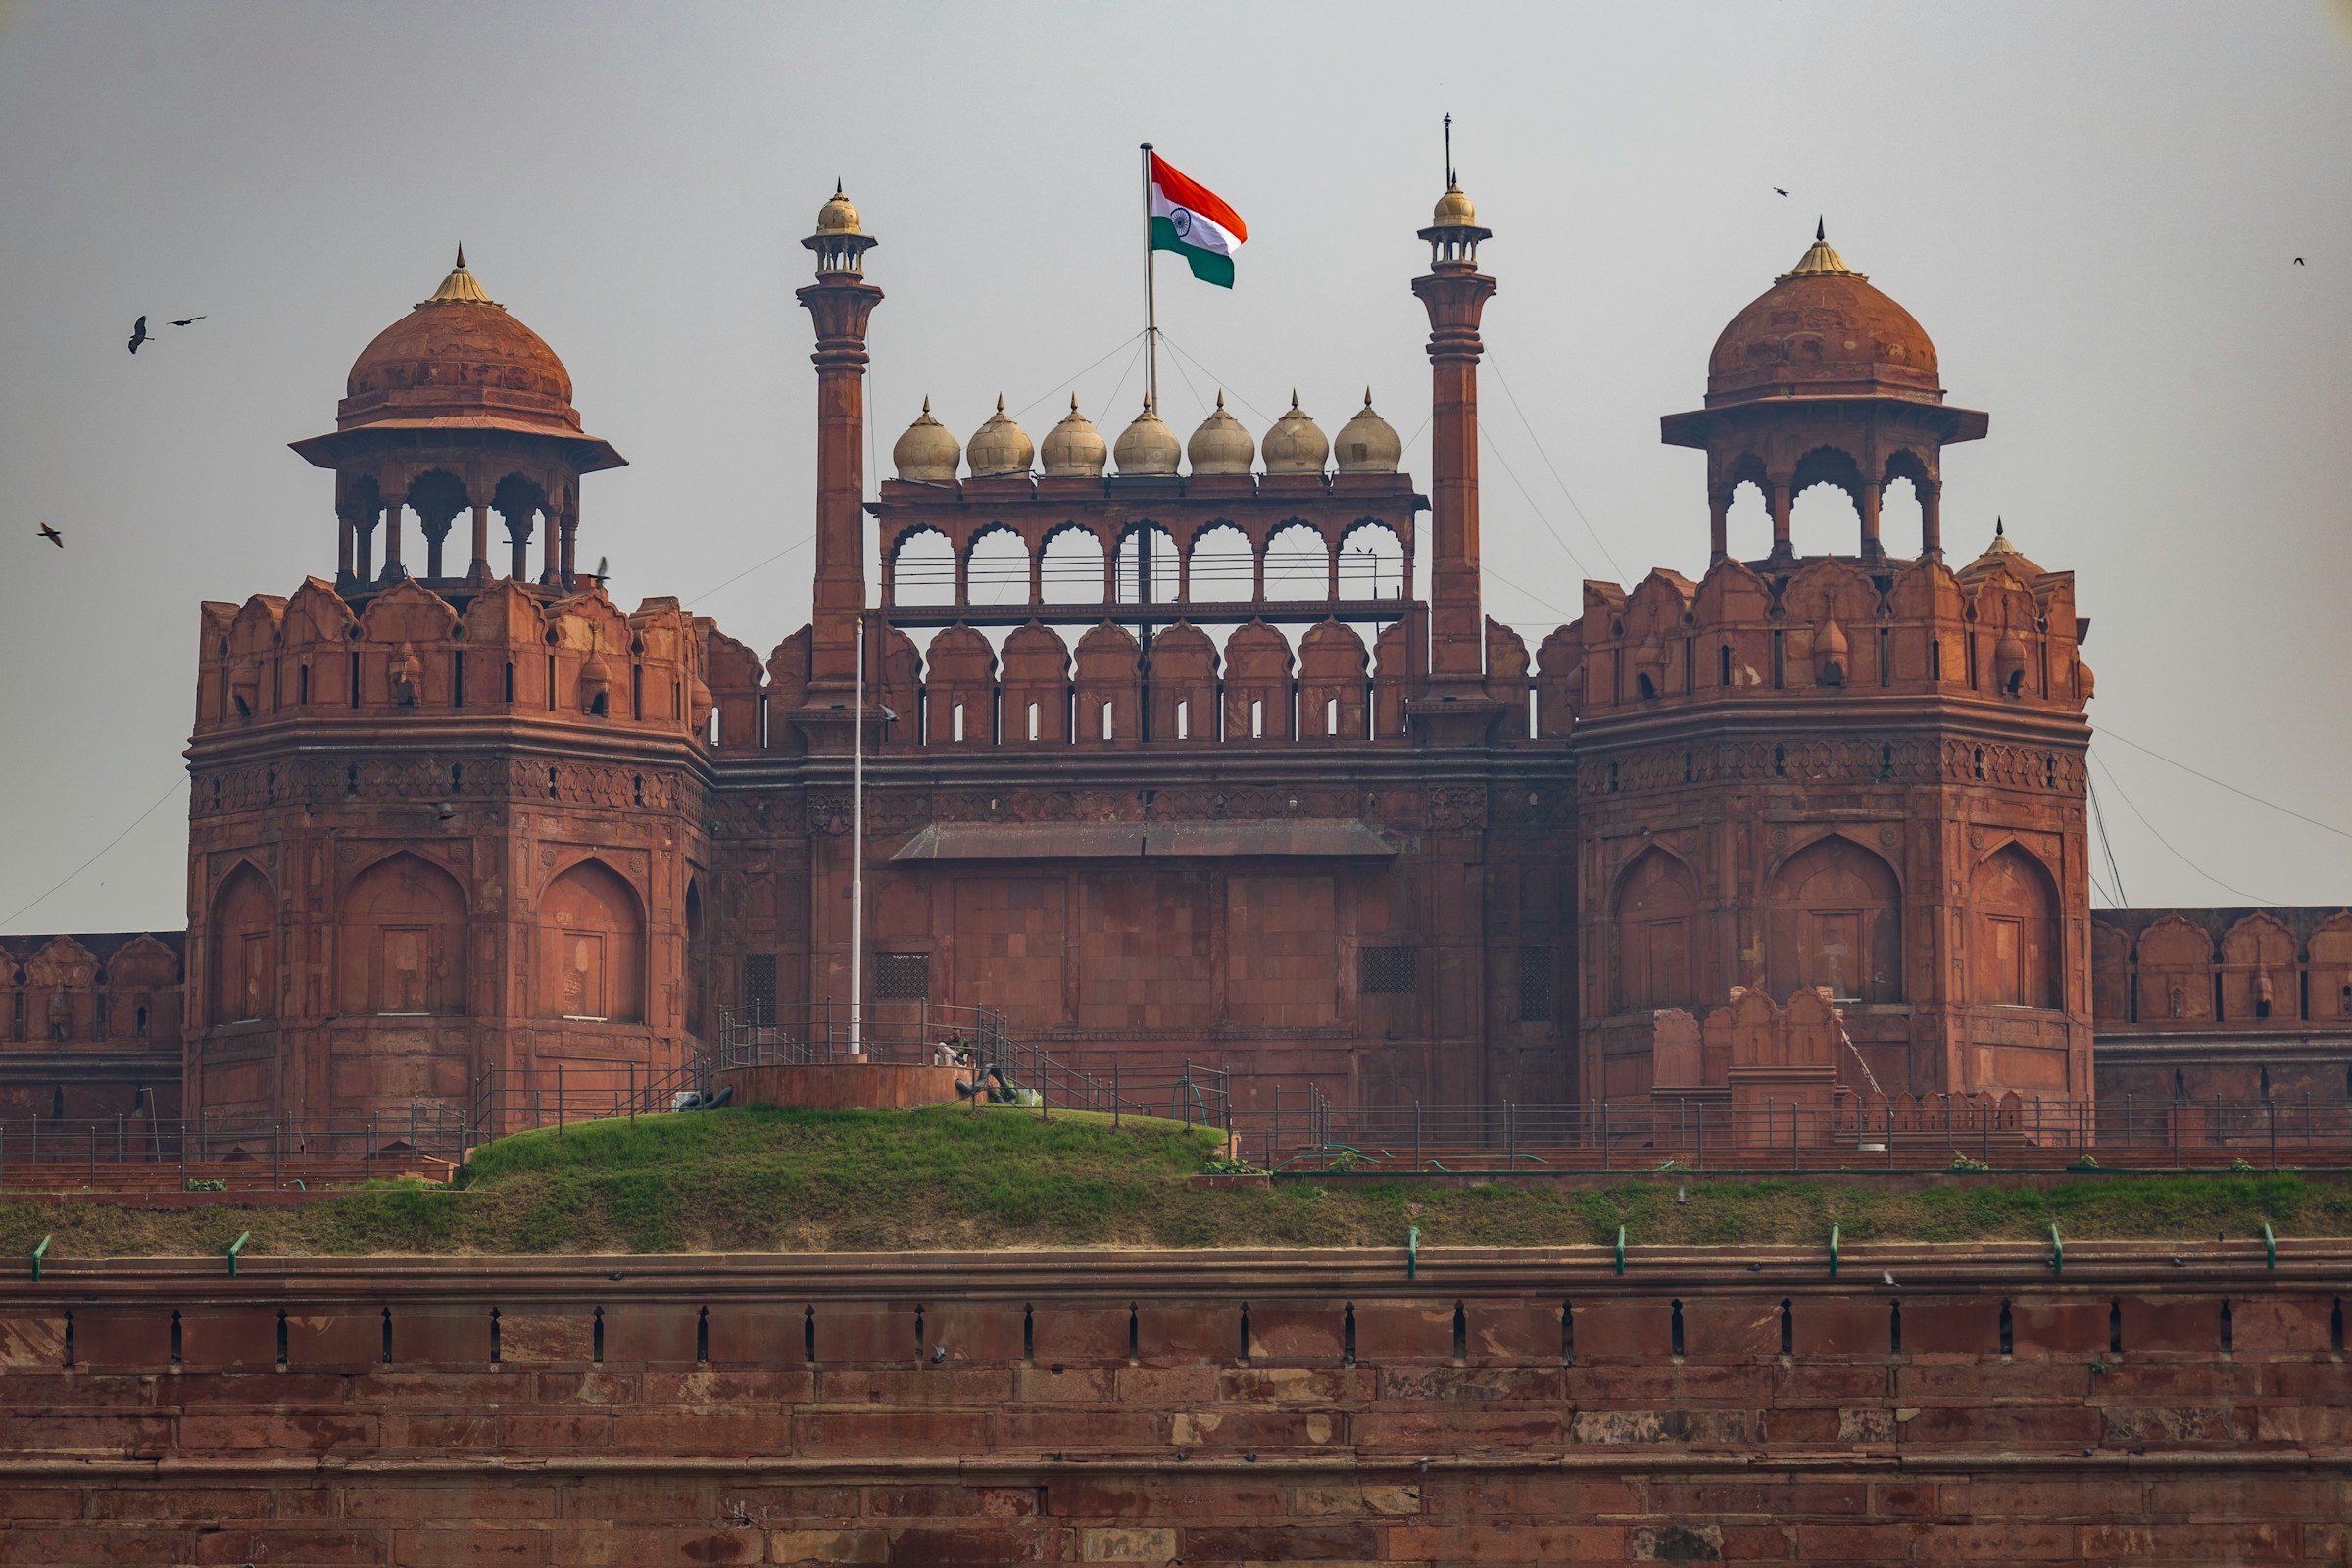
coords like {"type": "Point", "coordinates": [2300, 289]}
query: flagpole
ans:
{"type": "Point", "coordinates": [1151, 302]}
{"type": "Point", "coordinates": [857, 857]}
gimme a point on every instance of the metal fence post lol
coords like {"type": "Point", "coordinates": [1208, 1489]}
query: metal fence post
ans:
{"type": "Point", "coordinates": [1417, 1132]}
{"type": "Point", "coordinates": [1510, 1138]}
{"type": "Point", "coordinates": [277, 1155]}
{"type": "Point", "coordinates": [374, 1124]}
{"type": "Point", "coordinates": [93, 1154]}
{"type": "Point", "coordinates": [1605, 1132]}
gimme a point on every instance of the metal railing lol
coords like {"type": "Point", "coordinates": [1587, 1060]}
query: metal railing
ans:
{"type": "Point", "coordinates": [143, 1153]}
{"type": "Point", "coordinates": [1856, 1133]}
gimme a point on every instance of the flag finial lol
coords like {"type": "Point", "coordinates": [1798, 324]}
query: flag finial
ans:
{"type": "Point", "coordinates": [1821, 229]}
{"type": "Point", "coordinates": [1450, 151]}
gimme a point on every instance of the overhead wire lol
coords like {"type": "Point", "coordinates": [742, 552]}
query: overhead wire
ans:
{"type": "Point", "coordinates": [2098, 820]}
{"type": "Point", "coordinates": [1540, 452]}
{"type": "Point", "coordinates": [2125, 796]}
{"type": "Point", "coordinates": [178, 784]}
{"type": "Point", "coordinates": [2327, 827]}
{"type": "Point", "coordinates": [1557, 537]}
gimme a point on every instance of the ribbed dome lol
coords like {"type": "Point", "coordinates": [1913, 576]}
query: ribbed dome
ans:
{"type": "Point", "coordinates": [1367, 443]}
{"type": "Point", "coordinates": [1822, 330]}
{"type": "Point", "coordinates": [837, 216]}
{"type": "Point", "coordinates": [2001, 556]}
{"type": "Point", "coordinates": [459, 359]}
{"type": "Point", "coordinates": [1000, 447]}
{"type": "Point", "coordinates": [1296, 444]}
{"type": "Point", "coordinates": [1221, 445]}
{"type": "Point", "coordinates": [1074, 448]}
{"type": "Point", "coordinates": [1146, 447]}
{"type": "Point", "coordinates": [927, 452]}
{"type": "Point", "coordinates": [1454, 210]}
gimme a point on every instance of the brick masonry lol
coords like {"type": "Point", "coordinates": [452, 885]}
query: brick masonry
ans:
{"type": "Point", "coordinates": [1150, 1408]}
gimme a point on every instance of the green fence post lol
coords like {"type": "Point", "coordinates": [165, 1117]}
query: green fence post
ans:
{"type": "Point", "coordinates": [38, 1253]}
{"type": "Point", "coordinates": [1833, 1251]}
{"type": "Point", "coordinates": [234, 1247]}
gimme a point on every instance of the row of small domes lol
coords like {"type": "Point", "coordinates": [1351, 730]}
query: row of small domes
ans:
{"type": "Point", "coordinates": [1074, 448]}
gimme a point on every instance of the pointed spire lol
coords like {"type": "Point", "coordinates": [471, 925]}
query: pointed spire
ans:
{"type": "Point", "coordinates": [1220, 397]}
{"type": "Point", "coordinates": [926, 403]}
{"type": "Point", "coordinates": [1073, 403]}
{"type": "Point", "coordinates": [461, 288]}
{"type": "Point", "coordinates": [1819, 260]}
{"type": "Point", "coordinates": [1293, 397]}
{"type": "Point", "coordinates": [1000, 403]}
{"type": "Point", "coordinates": [2000, 529]}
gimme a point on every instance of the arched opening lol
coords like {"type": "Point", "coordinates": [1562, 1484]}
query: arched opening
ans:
{"type": "Point", "coordinates": [1147, 559]}
{"type": "Point", "coordinates": [697, 960]}
{"type": "Point", "coordinates": [1656, 920]}
{"type": "Point", "coordinates": [1825, 516]}
{"type": "Point", "coordinates": [403, 940]}
{"type": "Point", "coordinates": [1837, 921]}
{"type": "Point", "coordinates": [923, 569]}
{"type": "Point", "coordinates": [592, 947]}
{"type": "Point", "coordinates": [2015, 925]}
{"type": "Point", "coordinates": [518, 503]}
{"type": "Point", "coordinates": [1222, 567]}
{"type": "Point", "coordinates": [1070, 570]}
{"type": "Point", "coordinates": [1298, 564]}
{"type": "Point", "coordinates": [1903, 518]}
{"type": "Point", "coordinates": [437, 498]}
{"type": "Point", "coordinates": [244, 947]}
{"type": "Point", "coordinates": [1371, 563]}
{"type": "Point", "coordinates": [997, 570]}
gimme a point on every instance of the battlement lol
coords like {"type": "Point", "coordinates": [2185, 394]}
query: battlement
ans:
{"type": "Point", "coordinates": [504, 651]}
{"type": "Point", "coordinates": [2000, 631]}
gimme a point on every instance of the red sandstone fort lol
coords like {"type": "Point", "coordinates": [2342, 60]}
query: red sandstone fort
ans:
{"type": "Point", "coordinates": [1166, 761]}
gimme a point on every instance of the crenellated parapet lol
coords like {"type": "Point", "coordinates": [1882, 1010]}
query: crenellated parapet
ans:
{"type": "Point", "coordinates": [509, 653]}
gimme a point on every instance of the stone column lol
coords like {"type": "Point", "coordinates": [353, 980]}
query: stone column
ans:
{"type": "Point", "coordinates": [1454, 295]}
{"type": "Point", "coordinates": [1718, 509]}
{"type": "Point", "coordinates": [842, 303]}
{"type": "Point", "coordinates": [393, 569]}
{"type": "Point", "coordinates": [1782, 484]}
{"type": "Point", "coordinates": [1872, 549]}
{"type": "Point", "coordinates": [478, 570]}
{"type": "Point", "coordinates": [1930, 521]}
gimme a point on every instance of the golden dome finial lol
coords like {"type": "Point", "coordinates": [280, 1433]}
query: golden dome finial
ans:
{"type": "Point", "coordinates": [459, 287]}
{"type": "Point", "coordinates": [1819, 260]}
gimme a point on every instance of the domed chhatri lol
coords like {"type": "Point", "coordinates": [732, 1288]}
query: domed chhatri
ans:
{"type": "Point", "coordinates": [1000, 449]}
{"type": "Point", "coordinates": [1221, 445]}
{"type": "Point", "coordinates": [458, 359]}
{"type": "Point", "coordinates": [837, 216]}
{"type": "Point", "coordinates": [1822, 330]}
{"type": "Point", "coordinates": [1147, 447]}
{"type": "Point", "coordinates": [1454, 210]}
{"type": "Point", "coordinates": [2002, 555]}
{"type": "Point", "coordinates": [1074, 449]}
{"type": "Point", "coordinates": [1296, 444]}
{"type": "Point", "coordinates": [1368, 443]}
{"type": "Point", "coordinates": [926, 453]}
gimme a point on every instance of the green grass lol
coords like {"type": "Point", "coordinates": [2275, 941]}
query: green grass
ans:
{"type": "Point", "coordinates": [761, 1180]}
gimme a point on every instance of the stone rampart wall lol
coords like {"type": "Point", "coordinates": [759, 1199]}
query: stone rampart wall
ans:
{"type": "Point", "coordinates": [1203, 1408]}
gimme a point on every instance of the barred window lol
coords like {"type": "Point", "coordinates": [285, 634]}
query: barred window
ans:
{"type": "Point", "coordinates": [1534, 985]}
{"type": "Point", "coordinates": [1389, 972]}
{"type": "Point", "coordinates": [760, 989]}
{"type": "Point", "coordinates": [901, 976]}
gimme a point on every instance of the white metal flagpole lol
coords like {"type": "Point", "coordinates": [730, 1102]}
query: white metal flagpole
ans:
{"type": "Point", "coordinates": [857, 857]}
{"type": "Point", "coordinates": [1150, 300]}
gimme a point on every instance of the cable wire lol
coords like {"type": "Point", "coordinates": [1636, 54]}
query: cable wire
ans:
{"type": "Point", "coordinates": [1557, 538]}
{"type": "Point", "coordinates": [2125, 798]}
{"type": "Point", "coordinates": [1506, 383]}
{"type": "Point", "coordinates": [2098, 820]}
{"type": "Point", "coordinates": [178, 784]}
{"type": "Point", "coordinates": [2289, 810]}
{"type": "Point", "coordinates": [1060, 386]}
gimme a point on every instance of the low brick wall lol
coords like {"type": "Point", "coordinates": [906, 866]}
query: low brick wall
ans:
{"type": "Point", "coordinates": [844, 1086]}
{"type": "Point", "coordinates": [1502, 1406]}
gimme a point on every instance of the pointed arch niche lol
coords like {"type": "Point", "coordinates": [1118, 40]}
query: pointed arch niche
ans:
{"type": "Point", "coordinates": [1657, 911]}
{"type": "Point", "coordinates": [592, 947]}
{"type": "Point", "coordinates": [1835, 920]}
{"type": "Point", "coordinates": [403, 947]}
{"type": "Point", "coordinates": [2014, 932]}
{"type": "Point", "coordinates": [244, 960]}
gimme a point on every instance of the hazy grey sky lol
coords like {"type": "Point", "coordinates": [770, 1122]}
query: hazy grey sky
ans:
{"type": "Point", "coordinates": [2093, 210]}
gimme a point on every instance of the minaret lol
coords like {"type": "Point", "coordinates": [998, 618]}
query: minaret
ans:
{"type": "Point", "coordinates": [841, 300]}
{"type": "Point", "coordinates": [1455, 292]}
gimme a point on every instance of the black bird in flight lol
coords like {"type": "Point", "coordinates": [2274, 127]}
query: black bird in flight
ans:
{"type": "Point", "coordinates": [52, 536]}
{"type": "Point", "coordinates": [1777, 191]}
{"type": "Point", "coordinates": [138, 334]}
{"type": "Point", "coordinates": [190, 321]}
{"type": "Point", "coordinates": [2298, 261]}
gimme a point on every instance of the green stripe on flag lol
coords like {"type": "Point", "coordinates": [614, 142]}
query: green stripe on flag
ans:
{"type": "Point", "coordinates": [1207, 265]}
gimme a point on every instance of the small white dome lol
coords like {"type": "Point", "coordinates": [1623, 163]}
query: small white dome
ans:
{"type": "Point", "coordinates": [1296, 444]}
{"type": "Point", "coordinates": [927, 452]}
{"type": "Point", "coordinates": [1000, 447]}
{"type": "Point", "coordinates": [1074, 448]}
{"type": "Point", "coordinates": [1368, 443]}
{"type": "Point", "coordinates": [1147, 447]}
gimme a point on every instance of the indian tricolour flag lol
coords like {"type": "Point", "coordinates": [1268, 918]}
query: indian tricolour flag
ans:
{"type": "Point", "coordinates": [1191, 219]}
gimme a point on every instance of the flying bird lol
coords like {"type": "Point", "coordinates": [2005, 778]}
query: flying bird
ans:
{"type": "Point", "coordinates": [2298, 261]}
{"type": "Point", "coordinates": [1886, 1276]}
{"type": "Point", "coordinates": [138, 334]}
{"type": "Point", "coordinates": [1777, 191]}
{"type": "Point", "coordinates": [939, 1354]}
{"type": "Point", "coordinates": [52, 536]}
{"type": "Point", "coordinates": [188, 322]}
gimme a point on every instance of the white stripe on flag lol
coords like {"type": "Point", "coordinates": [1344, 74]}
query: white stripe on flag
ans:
{"type": "Point", "coordinates": [1196, 229]}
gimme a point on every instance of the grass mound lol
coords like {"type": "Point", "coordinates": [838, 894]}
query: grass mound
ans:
{"type": "Point", "coordinates": [763, 1180]}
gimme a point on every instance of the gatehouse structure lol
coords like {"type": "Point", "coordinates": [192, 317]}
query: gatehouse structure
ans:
{"type": "Point", "coordinates": [1171, 757]}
